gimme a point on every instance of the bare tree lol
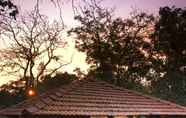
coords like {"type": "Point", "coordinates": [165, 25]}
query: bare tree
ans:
{"type": "Point", "coordinates": [33, 49]}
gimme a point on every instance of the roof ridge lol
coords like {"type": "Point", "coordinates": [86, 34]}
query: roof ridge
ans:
{"type": "Point", "coordinates": [145, 95]}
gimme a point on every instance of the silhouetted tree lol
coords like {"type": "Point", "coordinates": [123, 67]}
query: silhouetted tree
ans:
{"type": "Point", "coordinates": [32, 50]}
{"type": "Point", "coordinates": [58, 80]}
{"type": "Point", "coordinates": [6, 98]}
{"type": "Point", "coordinates": [170, 44]}
{"type": "Point", "coordinates": [115, 47]}
{"type": "Point", "coordinates": [13, 92]}
{"type": "Point", "coordinates": [8, 9]}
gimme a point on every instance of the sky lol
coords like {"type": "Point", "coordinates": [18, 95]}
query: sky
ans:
{"type": "Point", "coordinates": [122, 9]}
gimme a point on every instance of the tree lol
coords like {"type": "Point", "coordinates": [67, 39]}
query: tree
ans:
{"type": "Point", "coordinates": [169, 41]}
{"type": "Point", "coordinates": [33, 47]}
{"type": "Point", "coordinates": [116, 47]}
{"type": "Point", "coordinates": [7, 8]}
{"type": "Point", "coordinates": [60, 79]}
{"type": "Point", "coordinates": [6, 98]}
{"type": "Point", "coordinates": [13, 92]}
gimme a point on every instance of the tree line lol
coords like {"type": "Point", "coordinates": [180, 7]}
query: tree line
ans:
{"type": "Point", "coordinates": [142, 52]}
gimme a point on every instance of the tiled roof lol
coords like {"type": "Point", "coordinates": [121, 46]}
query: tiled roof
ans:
{"type": "Point", "coordinates": [93, 97]}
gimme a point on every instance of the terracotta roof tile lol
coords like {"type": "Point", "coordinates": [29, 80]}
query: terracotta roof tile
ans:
{"type": "Point", "coordinates": [92, 97]}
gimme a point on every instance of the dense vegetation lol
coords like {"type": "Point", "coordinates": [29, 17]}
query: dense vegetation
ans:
{"type": "Point", "coordinates": [8, 9]}
{"type": "Point", "coordinates": [14, 92]}
{"type": "Point", "coordinates": [142, 52]}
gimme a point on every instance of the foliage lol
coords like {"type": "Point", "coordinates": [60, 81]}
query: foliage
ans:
{"type": "Point", "coordinates": [7, 8]}
{"type": "Point", "coordinates": [58, 80]}
{"type": "Point", "coordinates": [14, 92]}
{"type": "Point", "coordinates": [5, 95]}
{"type": "Point", "coordinates": [140, 52]}
{"type": "Point", "coordinates": [114, 46]}
{"type": "Point", "coordinates": [170, 34]}
{"type": "Point", "coordinates": [169, 42]}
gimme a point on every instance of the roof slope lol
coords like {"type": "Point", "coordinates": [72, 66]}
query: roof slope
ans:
{"type": "Point", "coordinates": [93, 97]}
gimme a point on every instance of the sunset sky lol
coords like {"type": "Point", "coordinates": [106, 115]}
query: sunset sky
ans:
{"type": "Point", "coordinates": [122, 9]}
